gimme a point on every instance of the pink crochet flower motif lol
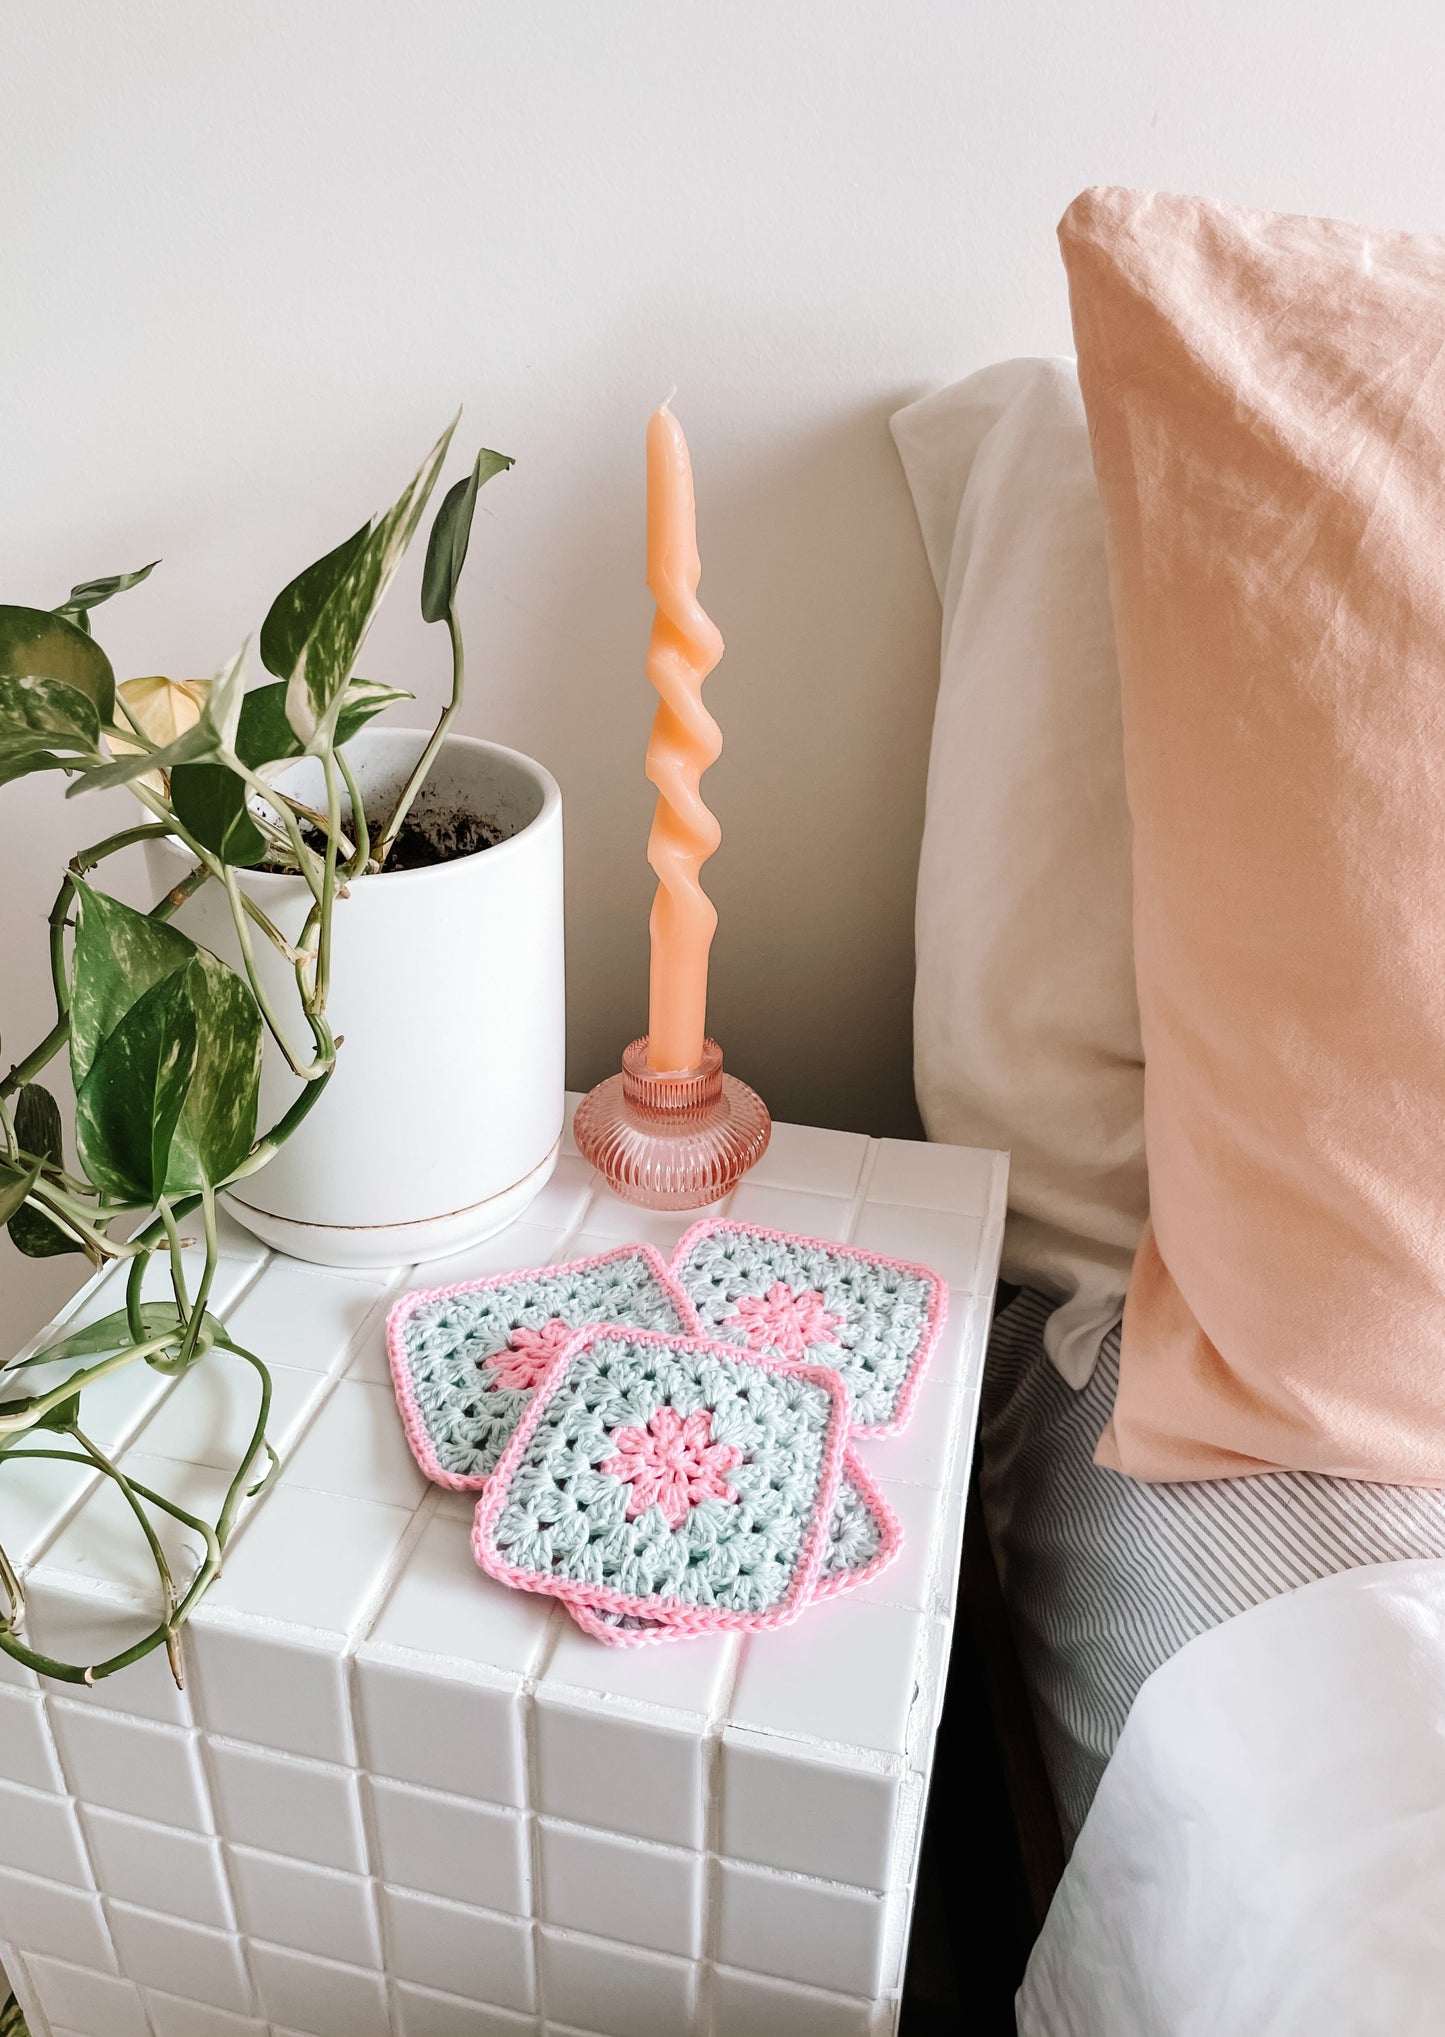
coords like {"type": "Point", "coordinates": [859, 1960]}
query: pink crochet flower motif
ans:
{"type": "Point", "coordinates": [783, 1321]}
{"type": "Point", "coordinates": [528, 1354]}
{"type": "Point", "coordinates": [672, 1464]}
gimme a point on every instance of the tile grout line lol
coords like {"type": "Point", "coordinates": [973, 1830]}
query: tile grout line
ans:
{"type": "Point", "coordinates": [860, 1193]}
{"type": "Point", "coordinates": [706, 1963]}
{"type": "Point", "coordinates": [532, 1783]}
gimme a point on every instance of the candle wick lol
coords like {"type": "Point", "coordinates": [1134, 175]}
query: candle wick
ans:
{"type": "Point", "coordinates": [667, 400]}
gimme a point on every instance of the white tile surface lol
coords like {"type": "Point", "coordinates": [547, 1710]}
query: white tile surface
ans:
{"type": "Point", "coordinates": [91, 2004]}
{"type": "Point", "coordinates": [622, 1774]}
{"type": "Point", "coordinates": [445, 1846]}
{"type": "Point", "coordinates": [211, 1416]}
{"type": "Point", "coordinates": [616, 1992]}
{"type": "Point", "coordinates": [166, 1953]}
{"type": "Point", "coordinates": [952, 1178]}
{"type": "Point", "coordinates": [46, 1916]}
{"type": "Point", "coordinates": [444, 1732]}
{"type": "Point", "coordinates": [947, 1243]}
{"type": "Point", "coordinates": [39, 1834]}
{"type": "Point", "coordinates": [286, 1693]}
{"type": "Point", "coordinates": [357, 1447]}
{"type": "Point", "coordinates": [158, 1868]}
{"type": "Point", "coordinates": [35, 1498]}
{"type": "Point", "coordinates": [813, 1932]}
{"type": "Point", "coordinates": [746, 2005]}
{"type": "Point", "coordinates": [460, 1951]}
{"type": "Point", "coordinates": [792, 1209]}
{"type": "Point", "coordinates": [173, 2017]}
{"type": "Point", "coordinates": [353, 1588]}
{"type": "Point", "coordinates": [922, 1454]}
{"type": "Point", "coordinates": [305, 1316]}
{"type": "Point", "coordinates": [619, 1888]}
{"type": "Point", "coordinates": [319, 1998]}
{"type": "Point", "coordinates": [811, 1157]}
{"type": "Point", "coordinates": [130, 1765]}
{"type": "Point", "coordinates": [690, 1677]}
{"type": "Point", "coordinates": [920, 1511]}
{"type": "Point", "coordinates": [26, 1754]}
{"type": "Point", "coordinates": [519, 1248]}
{"type": "Point", "coordinates": [442, 1604]}
{"type": "Point", "coordinates": [310, 1559]}
{"type": "Point", "coordinates": [845, 1673]}
{"type": "Point", "coordinates": [302, 1809]}
{"type": "Point", "coordinates": [425, 2013]}
{"type": "Point", "coordinates": [786, 1809]}
{"type": "Point", "coordinates": [312, 1909]}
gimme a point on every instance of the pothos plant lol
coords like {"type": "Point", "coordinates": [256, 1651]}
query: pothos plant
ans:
{"type": "Point", "coordinates": [164, 1038]}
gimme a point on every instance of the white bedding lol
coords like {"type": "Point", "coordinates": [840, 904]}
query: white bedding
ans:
{"type": "Point", "coordinates": [1265, 1856]}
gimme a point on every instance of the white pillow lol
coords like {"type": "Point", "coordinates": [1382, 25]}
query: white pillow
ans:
{"type": "Point", "coordinates": [1026, 1028]}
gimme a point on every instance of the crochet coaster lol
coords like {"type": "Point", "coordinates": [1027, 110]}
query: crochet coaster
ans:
{"type": "Point", "coordinates": [876, 1320]}
{"type": "Point", "coordinates": [863, 1538]}
{"type": "Point", "coordinates": [668, 1475]}
{"type": "Point", "coordinates": [465, 1359]}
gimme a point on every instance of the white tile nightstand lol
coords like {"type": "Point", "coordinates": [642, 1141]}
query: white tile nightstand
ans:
{"type": "Point", "coordinates": [397, 1800]}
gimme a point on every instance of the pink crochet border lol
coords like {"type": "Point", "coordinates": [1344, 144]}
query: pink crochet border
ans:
{"type": "Point", "coordinates": [686, 1618]}
{"type": "Point", "coordinates": [412, 1417]}
{"type": "Point", "coordinates": [937, 1313]}
{"type": "Point", "coordinates": [665, 1629]}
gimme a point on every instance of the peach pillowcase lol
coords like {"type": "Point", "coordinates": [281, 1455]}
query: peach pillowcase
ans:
{"type": "Point", "coordinates": [1266, 399]}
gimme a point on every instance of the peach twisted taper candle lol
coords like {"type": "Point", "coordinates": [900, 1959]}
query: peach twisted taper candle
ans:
{"type": "Point", "coordinates": [685, 646]}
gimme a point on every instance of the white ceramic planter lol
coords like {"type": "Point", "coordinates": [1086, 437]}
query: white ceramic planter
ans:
{"type": "Point", "coordinates": [443, 1118]}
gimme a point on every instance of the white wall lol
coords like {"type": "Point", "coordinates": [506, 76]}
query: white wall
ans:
{"type": "Point", "coordinates": [251, 257]}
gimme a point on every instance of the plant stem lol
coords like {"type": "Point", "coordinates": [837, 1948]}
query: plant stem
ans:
{"type": "Point", "coordinates": [428, 756]}
{"type": "Point", "coordinates": [361, 855]}
{"type": "Point", "coordinates": [158, 1555]}
{"type": "Point", "coordinates": [203, 1291]}
{"type": "Point", "coordinates": [328, 881]}
{"type": "Point", "coordinates": [18, 1424]}
{"type": "Point", "coordinates": [178, 1270]}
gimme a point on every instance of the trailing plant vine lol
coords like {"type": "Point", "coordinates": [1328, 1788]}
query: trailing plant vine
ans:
{"type": "Point", "coordinates": [164, 1038]}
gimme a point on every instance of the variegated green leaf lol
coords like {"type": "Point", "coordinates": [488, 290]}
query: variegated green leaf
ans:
{"type": "Point", "coordinates": [38, 1131]}
{"type": "Point", "coordinates": [122, 955]}
{"type": "Point", "coordinates": [209, 801]}
{"type": "Point", "coordinates": [217, 1125]}
{"type": "Point", "coordinates": [34, 644]}
{"type": "Point", "coordinates": [15, 1184]}
{"type": "Point", "coordinates": [45, 725]}
{"type": "Point", "coordinates": [292, 615]}
{"type": "Point", "coordinates": [110, 1333]}
{"type": "Point", "coordinates": [446, 551]}
{"type": "Point", "coordinates": [118, 955]}
{"type": "Point", "coordinates": [318, 680]}
{"type": "Point", "coordinates": [128, 1107]}
{"type": "Point", "coordinates": [90, 594]}
{"type": "Point", "coordinates": [265, 737]}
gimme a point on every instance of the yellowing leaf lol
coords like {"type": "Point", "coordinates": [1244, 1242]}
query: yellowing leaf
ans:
{"type": "Point", "coordinates": [162, 709]}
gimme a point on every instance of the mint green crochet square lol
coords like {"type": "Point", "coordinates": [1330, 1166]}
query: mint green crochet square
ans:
{"type": "Point", "coordinates": [444, 1345]}
{"type": "Point", "coordinates": [564, 1517]}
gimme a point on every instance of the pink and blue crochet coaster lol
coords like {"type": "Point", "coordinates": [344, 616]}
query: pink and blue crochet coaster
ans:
{"type": "Point", "coordinates": [465, 1359]}
{"type": "Point", "coordinates": [874, 1320]}
{"type": "Point", "coordinates": [863, 1537]}
{"type": "Point", "coordinates": [668, 1476]}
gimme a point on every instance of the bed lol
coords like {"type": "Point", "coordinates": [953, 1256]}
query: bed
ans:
{"type": "Point", "coordinates": [1233, 1645]}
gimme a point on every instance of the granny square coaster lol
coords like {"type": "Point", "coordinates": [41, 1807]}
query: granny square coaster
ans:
{"type": "Point", "coordinates": [465, 1359]}
{"type": "Point", "coordinates": [669, 1476]}
{"type": "Point", "coordinates": [863, 1537]}
{"type": "Point", "coordinates": [875, 1320]}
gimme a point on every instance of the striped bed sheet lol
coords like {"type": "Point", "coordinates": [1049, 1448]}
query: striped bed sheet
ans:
{"type": "Point", "coordinates": [1106, 1578]}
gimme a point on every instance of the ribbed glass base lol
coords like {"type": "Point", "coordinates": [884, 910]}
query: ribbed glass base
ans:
{"type": "Point", "coordinates": [675, 1141]}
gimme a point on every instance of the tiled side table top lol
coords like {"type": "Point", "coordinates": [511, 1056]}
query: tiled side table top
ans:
{"type": "Point", "coordinates": [398, 1800]}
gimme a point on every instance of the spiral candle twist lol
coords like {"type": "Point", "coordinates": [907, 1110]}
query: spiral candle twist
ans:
{"type": "Point", "coordinates": [684, 648]}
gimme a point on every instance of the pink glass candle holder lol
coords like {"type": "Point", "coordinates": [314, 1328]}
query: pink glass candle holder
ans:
{"type": "Point", "coordinates": [672, 1141]}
